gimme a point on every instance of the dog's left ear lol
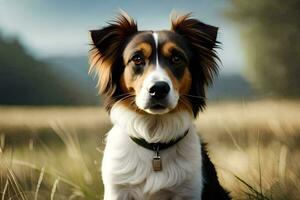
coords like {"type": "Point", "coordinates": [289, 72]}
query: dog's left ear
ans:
{"type": "Point", "coordinates": [201, 39]}
{"type": "Point", "coordinates": [106, 54]}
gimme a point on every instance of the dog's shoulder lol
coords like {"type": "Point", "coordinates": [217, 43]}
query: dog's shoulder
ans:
{"type": "Point", "coordinates": [212, 190]}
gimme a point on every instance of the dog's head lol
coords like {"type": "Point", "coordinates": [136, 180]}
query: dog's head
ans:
{"type": "Point", "coordinates": [155, 71]}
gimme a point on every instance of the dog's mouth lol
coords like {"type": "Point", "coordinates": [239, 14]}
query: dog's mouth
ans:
{"type": "Point", "coordinates": [157, 108]}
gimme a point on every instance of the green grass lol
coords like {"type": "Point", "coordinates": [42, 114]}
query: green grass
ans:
{"type": "Point", "coordinates": [55, 153]}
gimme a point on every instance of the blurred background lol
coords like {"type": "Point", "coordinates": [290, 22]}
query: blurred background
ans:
{"type": "Point", "coordinates": [52, 125]}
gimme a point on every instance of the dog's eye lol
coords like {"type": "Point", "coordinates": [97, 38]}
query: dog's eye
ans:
{"type": "Point", "coordinates": [138, 59]}
{"type": "Point", "coordinates": [176, 60]}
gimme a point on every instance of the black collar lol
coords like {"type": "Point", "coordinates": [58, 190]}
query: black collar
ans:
{"type": "Point", "coordinates": [157, 146]}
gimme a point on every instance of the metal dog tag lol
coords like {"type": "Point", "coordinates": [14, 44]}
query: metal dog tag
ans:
{"type": "Point", "coordinates": [156, 162]}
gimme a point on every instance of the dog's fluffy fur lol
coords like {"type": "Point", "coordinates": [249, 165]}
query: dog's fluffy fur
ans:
{"type": "Point", "coordinates": [128, 62]}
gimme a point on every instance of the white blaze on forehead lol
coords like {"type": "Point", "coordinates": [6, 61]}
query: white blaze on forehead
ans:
{"type": "Point", "coordinates": [155, 36]}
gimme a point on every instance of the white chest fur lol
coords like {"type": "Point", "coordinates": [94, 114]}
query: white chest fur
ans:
{"type": "Point", "coordinates": [127, 167]}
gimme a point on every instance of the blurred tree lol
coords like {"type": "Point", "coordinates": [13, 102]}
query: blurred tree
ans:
{"type": "Point", "coordinates": [271, 33]}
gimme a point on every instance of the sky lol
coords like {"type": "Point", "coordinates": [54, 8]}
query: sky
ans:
{"type": "Point", "coordinates": [60, 27]}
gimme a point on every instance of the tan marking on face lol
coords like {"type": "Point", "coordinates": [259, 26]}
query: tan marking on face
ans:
{"type": "Point", "coordinates": [168, 47]}
{"type": "Point", "coordinates": [185, 82]}
{"type": "Point", "coordinates": [144, 47]}
{"type": "Point", "coordinates": [183, 85]}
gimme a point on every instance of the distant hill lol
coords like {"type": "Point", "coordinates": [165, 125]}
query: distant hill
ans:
{"type": "Point", "coordinates": [74, 71]}
{"type": "Point", "coordinates": [230, 87]}
{"type": "Point", "coordinates": [27, 81]}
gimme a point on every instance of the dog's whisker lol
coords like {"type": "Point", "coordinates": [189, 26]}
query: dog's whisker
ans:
{"type": "Point", "coordinates": [124, 98]}
{"type": "Point", "coordinates": [124, 94]}
{"type": "Point", "coordinates": [193, 96]}
{"type": "Point", "coordinates": [116, 100]}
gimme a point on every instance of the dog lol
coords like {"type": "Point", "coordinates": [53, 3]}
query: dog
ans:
{"type": "Point", "coordinates": [154, 86]}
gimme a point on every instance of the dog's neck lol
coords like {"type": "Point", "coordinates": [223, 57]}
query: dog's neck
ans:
{"type": "Point", "coordinates": [152, 128]}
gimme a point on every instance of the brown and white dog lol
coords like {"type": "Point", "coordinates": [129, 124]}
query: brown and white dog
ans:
{"type": "Point", "coordinates": [154, 86]}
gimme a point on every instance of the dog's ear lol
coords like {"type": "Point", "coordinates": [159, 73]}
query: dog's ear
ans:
{"type": "Point", "coordinates": [201, 38]}
{"type": "Point", "coordinates": [106, 54]}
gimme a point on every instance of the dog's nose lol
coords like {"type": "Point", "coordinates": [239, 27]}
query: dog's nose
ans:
{"type": "Point", "coordinates": [159, 90]}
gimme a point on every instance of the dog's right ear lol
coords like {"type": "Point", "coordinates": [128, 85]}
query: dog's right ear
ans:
{"type": "Point", "coordinates": [106, 54]}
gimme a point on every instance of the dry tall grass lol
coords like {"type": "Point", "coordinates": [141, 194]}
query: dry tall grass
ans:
{"type": "Point", "coordinates": [55, 153]}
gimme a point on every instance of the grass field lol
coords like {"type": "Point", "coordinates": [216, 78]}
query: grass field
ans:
{"type": "Point", "coordinates": [55, 153]}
